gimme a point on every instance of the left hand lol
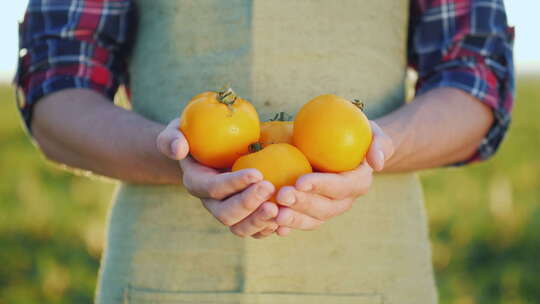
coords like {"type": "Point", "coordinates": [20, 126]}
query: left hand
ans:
{"type": "Point", "coordinates": [318, 197]}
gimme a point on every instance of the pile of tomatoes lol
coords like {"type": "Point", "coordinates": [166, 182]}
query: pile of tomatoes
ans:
{"type": "Point", "coordinates": [329, 134]}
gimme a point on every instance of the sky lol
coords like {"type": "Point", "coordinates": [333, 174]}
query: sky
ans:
{"type": "Point", "coordinates": [523, 14]}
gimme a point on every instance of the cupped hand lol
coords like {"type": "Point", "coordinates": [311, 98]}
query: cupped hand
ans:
{"type": "Point", "coordinates": [318, 197]}
{"type": "Point", "coordinates": [236, 199]}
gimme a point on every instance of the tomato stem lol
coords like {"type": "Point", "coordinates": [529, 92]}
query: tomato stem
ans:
{"type": "Point", "coordinates": [359, 104]}
{"type": "Point", "coordinates": [255, 147]}
{"type": "Point", "coordinates": [227, 96]}
{"type": "Point", "coordinates": [282, 116]}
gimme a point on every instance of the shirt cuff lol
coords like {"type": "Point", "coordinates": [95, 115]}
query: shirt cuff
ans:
{"type": "Point", "coordinates": [36, 79]}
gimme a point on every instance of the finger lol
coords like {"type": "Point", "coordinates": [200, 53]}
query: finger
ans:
{"type": "Point", "coordinates": [337, 186]}
{"type": "Point", "coordinates": [381, 148]}
{"type": "Point", "coordinates": [375, 156]}
{"type": "Point", "coordinates": [205, 182]}
{"type": "Point", "coordinates": [384, 140]}
{"type": "Point", "coordinates": [283, 231]}
{"type": "Point", "coordinates": [227, 184]}
{"type": "Point", "coordinates": [266, 232]}
{"type": "Point", "coordinates": [288, 217]}
{"type": "Point", "coordinates": [313, 205]}
{"type": "Point", "coordinates": [237, 207]}
{"type": "Point", "coordinates": [171, 142]}
{"type": "Point", "coordinates": [257, 221]}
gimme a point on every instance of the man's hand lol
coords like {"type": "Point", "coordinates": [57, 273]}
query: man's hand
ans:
{"type": "Point", "coordinates": [318, 197]}
{"type": "Point", "coordinates": [236, 199]}
{"type": "Point", "coordinates": [171, 142]}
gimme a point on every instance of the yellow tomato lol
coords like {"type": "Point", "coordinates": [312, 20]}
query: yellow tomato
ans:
{"type": "Point", "coordinates": [275, 132]}
{"type": "Point", "coordinates": [219, 127]}
{"type": "Point", "coordinates": [333, 133]}
{"type": "Point", "coordinates": [280, 164]}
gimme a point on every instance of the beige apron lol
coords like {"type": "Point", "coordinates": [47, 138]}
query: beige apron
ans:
{"type": "Point", "coordinates": [164, 247]}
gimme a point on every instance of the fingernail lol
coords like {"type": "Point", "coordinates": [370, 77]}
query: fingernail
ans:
{"type": "Point", "coordinates": [267, 216]}
{"type": "Point", "coordinates": [381, 160]}
{"type": "Point", "coordinates": [305, 187]}
{"type": "Point", "coordinates": [288, 200]}
{"type": "Point", "coordinates": [263, 191]}
{"type": "Point", "coordinates": [254, 177]}
{"type": "Point", "coordinates": [174, 147]}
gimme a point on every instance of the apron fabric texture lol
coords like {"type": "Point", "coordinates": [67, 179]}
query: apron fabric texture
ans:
{"type": "Point", "coordinates": [164, 247]}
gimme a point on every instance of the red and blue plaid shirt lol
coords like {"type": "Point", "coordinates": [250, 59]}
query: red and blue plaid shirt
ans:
{"type": "Point", "coordinates": [464, 44]}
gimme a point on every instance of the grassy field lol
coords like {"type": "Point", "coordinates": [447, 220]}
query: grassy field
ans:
{"type": "Point", "coordinates": [484, 219]}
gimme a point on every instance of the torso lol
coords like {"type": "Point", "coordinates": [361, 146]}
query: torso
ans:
{"type": "Point", "coordinates": [164, 247]}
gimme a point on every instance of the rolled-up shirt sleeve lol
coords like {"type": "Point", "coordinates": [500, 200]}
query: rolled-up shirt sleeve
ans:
{"type": "Point", "coordinates": [71, 44]}
{"type": "Point", "coordinates": [466, 45]}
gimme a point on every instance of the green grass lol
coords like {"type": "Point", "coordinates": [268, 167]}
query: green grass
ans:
{"type": "Point", "coordinates": [51, 222]}
{"type": "Point", "coordinates": [484, 219]}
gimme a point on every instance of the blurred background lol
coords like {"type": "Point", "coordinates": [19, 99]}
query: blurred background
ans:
{"type": "Point", "coordinates": [484, 219]}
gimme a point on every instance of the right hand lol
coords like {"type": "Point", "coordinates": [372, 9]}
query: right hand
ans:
{"type": "Point", "coordinates": [237, 199]}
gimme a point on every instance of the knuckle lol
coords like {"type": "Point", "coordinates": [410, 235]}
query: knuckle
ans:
{"type": "Point", "coordinates": [302, 203]}
{"type": "Point", "coordinates": [247, 202]}
{"type": "Point", "coordinates": [317, 225]}
{"type": "Point", "coordinates": [342, 194]}
{"type": "Point", "coordinates": [348, 206]}
{"type": "Point", "coordinates": [267, 211]}
{"type": "Point", "coordinates": [390, 148]}
{"type": "Point", "coordinates": [330, 213]}
{"type": "Point", "coordinates": [273, 226]}
{"type": "Point", "coordinates": [363, 186]}
{"type": "Point", "coordinates": [160, 142]}
{"type": "Point", "coordinates": [361, 191]}
{"type": "Point", "coordinates": [369, 180]}
{"type": "Point", "coordinates": [327, 215]}
{"type": "Point", "coordinates": [159, 138]}
{"type": "Point", "coordinates": [314, 225]}
{"type": "Point", "coordinates": [257, 223]}
{"type": "Point", "coordinates": [188, 184]}
{"type": "Point", "coordinates": [237, 232]}
{"type": "Point", "coordinates": [190, 190]}
{"type": "Point", "coordinates": [186, 181]}
{"type": "Point", "coordinates": [214, 191]}
{"type": "Point", "coordinates": [293, 221]}
{"type": "Point", "coordinates": [245, 179]}
{"type": "Point", "coordinates": [366, 187]}
{"type": "Point", "coordinates": [285, 219]}
{"type": "Point", "coordinates": [226, 221]}
{"type": "Point", "coordinates": [315, 186]}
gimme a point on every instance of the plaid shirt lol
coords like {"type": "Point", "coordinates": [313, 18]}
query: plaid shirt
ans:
{"type": "Point", "coordinates": [464, 44]}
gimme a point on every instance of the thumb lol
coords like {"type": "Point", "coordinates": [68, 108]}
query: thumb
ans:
{"type": "Point", "coordinates": [172, 143]}
{"type": "Point", "coordinates": [179, 147]}
{"type": "Point", "coordinates": [381, 148]}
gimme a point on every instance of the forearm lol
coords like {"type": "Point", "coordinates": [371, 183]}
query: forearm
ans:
{"type": "Point", "coordinates": [440, 127]}
{"type": "Point", "coordinates": [82, 129]}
